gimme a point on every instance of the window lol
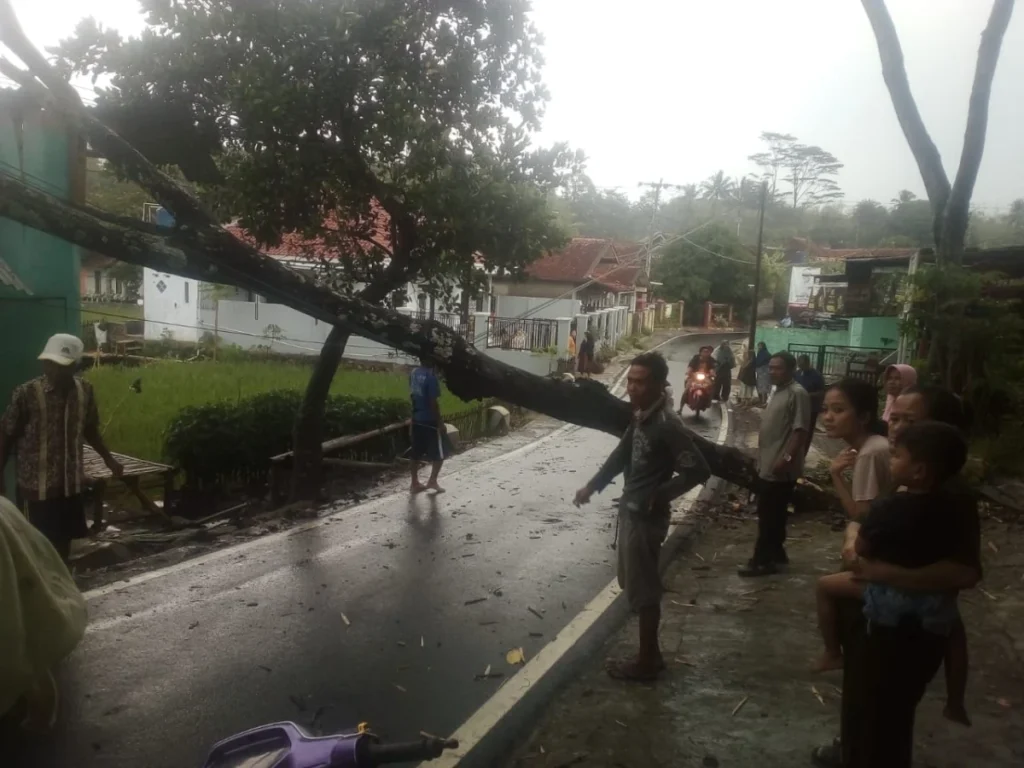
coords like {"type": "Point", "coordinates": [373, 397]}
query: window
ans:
{"type": "Point", "coordinates": [186, 291]}
{"type": "Point", "coordinates": [97, 277]}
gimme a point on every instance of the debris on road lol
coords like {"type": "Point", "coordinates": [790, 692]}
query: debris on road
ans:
{"type": "Point", "coordinates": [739, 706]}
{"type": "Point", "coordinates": [516, 656]}
{"type": "Point", "coordinates": [535, 612]}
{"type": "Point", "coordinates": [474, 601]}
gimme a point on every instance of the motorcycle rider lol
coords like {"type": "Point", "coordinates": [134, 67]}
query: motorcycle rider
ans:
{"type": "Point", "coordinates": [702, 362]}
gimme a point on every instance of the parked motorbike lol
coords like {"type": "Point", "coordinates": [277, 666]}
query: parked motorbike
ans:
{"type": "Point", "coordinates": [287, 745]}
{"type": "Point", "coordinates": [698, 392]}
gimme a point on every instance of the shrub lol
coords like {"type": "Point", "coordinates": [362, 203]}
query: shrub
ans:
{"type": "Point", "coordinates": [224, 441]}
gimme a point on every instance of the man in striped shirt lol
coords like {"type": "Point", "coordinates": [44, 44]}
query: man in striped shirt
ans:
{"type": "Point", "coordinates": [45, 426]}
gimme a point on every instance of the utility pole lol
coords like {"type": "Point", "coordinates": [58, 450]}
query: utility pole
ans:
{"type": "Point", "coordinates": [657, 186]}
{"type": "Point", "coordinates": [757, 268]}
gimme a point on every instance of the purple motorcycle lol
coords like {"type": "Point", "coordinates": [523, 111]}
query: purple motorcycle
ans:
{"type": "Point", "coordinates": [286, 745]}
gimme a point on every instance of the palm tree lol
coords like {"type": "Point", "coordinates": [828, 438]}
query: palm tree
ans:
{"type": "Point", "coordinates": [717, 187]}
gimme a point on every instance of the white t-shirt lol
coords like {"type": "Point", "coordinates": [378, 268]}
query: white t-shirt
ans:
{"type": "Point", "coordinates": [871, 477]}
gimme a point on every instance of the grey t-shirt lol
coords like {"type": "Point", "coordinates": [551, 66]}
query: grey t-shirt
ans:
{"type": "Point", "coordinates": [788, 411]}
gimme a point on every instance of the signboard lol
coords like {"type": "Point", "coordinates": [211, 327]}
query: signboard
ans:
{"type": "Point", "coordinates": [801, 281]}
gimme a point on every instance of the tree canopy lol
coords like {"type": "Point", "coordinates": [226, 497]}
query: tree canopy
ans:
{"type": "Point", "coordinates": [338, 120]}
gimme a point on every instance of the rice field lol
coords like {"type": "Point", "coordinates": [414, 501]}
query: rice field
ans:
{"type": "Point", "coordinates": [134, 423]}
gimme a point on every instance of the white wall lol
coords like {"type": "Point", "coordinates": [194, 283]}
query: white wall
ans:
{"type": "Point", "coordinates": [174, 309]}
{"type": "Point", "coordinates": [248, 324]}
{"type": "Point", "coordinates": [541, 365]}
{"type": "Point", "coordinates": [542, 309]}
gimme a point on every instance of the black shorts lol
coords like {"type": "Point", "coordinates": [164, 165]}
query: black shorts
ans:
{"type": "Point", "coordinates": [430, 443]}
{"type": "Point", "coordinates": [60, 519]}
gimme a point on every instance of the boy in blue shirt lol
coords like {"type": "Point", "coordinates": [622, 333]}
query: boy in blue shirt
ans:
{"type": "Point", "coordinates": [429, 436]}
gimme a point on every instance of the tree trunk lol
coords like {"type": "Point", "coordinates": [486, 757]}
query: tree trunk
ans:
{"type": "Point", "coordinates": [957, 213]}
{"type": "Point", "coordinates": [307, 459]}
{"type": "Point", "coordinates": [929, 161]}
{"type": "Point", "coordinates": [468, 373]}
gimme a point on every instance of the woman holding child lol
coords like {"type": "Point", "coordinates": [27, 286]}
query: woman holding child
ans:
{"type": "Point", "coordinates": [896, 612]}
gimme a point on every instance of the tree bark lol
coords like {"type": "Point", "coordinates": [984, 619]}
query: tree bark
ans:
{"type": "Point", "coordinates": [958, 206]}
{"type": "Point", "coordinates": [308, 437]}
{"type": "Point", "coordinates": [929, 161]}
{"type": "Point", "coordinates": [468, 373]}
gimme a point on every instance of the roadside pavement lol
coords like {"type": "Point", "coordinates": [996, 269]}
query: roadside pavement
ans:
{"type": "Point", "coordinates": [739, 691]}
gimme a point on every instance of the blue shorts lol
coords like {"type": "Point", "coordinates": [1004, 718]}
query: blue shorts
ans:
{"type": "Point", "coordinates": [430, 443]}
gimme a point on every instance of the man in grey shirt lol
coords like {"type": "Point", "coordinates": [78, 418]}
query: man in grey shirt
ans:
{"type": "Point", "coordinates": [654, 448]}
{"type": "Point", "coordinates": [785, 426]}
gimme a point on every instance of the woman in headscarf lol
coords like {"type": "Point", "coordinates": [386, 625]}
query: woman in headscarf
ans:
{"type": "Point", "coordinates": [764, 381]}
{"type": "Point", "coordinates": [897, 379]}
{"type": "Point", "coordinates": [42, 619]}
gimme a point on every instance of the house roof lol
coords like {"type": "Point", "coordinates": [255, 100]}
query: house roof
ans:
{"type": "Point", "coordinates": [589, 258]}
{"type": "Point", "coordinates": [355, 238]}
{"type": "Point", "coordinates": [856, 254]}
{"type": "Point", "coordinates": [573, 263]}
{"type": "Point", "coordinates": [620, 279]}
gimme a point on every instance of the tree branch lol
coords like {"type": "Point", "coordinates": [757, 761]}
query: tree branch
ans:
{"type": "Point", "coordinates": [958, 206]}
{"type": "Point", "coordinates": [468, 373]}
{"type": "Point", "coordinates": [929, 161]}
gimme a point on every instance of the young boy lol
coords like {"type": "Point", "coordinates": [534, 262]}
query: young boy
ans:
{"type": "Point", "coordinates": [909, 529]}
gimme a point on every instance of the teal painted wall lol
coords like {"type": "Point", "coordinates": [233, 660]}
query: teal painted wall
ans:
{"type": "Point", "coordinates": [36, 149]}
{"type": "Point", "coordinates": [877, 332]}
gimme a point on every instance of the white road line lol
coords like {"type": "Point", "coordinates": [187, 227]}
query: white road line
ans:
{"type": "Point", "coordinates": [481, 722]}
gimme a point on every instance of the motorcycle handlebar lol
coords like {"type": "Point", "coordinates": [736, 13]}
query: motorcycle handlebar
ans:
{"type": "Point", "coordinates": [424, 749]}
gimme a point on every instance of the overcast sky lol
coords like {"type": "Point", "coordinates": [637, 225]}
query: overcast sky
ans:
{"type": "Point", "coordinates": [677, 89]}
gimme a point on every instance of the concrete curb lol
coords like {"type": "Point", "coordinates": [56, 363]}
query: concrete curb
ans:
{"type": "Point", "coordinates": [489, 735]}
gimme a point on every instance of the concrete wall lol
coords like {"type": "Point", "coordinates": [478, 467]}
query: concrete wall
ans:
{"type": "Point", "coordinates": [249, 325]}
{"type": "Point", "coordinates": [171, 307]}
{"type": "Point", "coordinates": [532, 362]}
{"type": "Point", "coordinates": [872, 332]}
{"type": "Point", "coordinates": [45, 154]}
{"type": "Point", "coordinates": [542, 309]}
{"type": "Point", "coordinates": [536, 289]}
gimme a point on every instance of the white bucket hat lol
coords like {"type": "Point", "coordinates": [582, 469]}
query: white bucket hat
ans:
{"type": "Point", "coordinates": [63, 349]}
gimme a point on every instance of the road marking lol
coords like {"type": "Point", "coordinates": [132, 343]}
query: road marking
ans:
{"type": "Point", "coordinates": [227, 552]}
{"type": "Point", "coordinates": [484, 720]}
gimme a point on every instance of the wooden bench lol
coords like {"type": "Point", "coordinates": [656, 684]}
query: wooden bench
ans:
{"type": "Point", "coordinates": [98, 475]}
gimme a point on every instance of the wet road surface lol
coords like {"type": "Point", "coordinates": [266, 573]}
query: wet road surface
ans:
{"type": "Point", "coordinates": [384, 613]}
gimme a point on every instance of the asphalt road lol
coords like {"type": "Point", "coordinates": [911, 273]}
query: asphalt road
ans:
{"type": "Point", "coordinates": [384, 613]}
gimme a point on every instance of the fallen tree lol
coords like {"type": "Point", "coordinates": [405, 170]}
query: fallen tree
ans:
{"type": "Point", "coordinates": [198, 247]}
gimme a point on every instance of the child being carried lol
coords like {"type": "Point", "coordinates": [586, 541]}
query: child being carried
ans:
{"type": "Point", "coordinates": [911, 529]}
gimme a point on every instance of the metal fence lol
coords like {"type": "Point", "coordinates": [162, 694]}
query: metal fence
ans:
{"type": "Point", "coordinates": [531, 335]}
{"type": "Point", "coordinates": [451, 320]}
{"type": "Point", "coordinates": [835, 362]}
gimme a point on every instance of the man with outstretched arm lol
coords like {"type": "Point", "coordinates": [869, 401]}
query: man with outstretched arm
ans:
{"type": "Point", "coordinates": [660, 463]}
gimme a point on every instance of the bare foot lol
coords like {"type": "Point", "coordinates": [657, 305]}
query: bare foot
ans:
{"type": "Point", "coordinates": [433, 486]}
{"type": "Point", "coordinates": [827, 662]}
{"type": "Point", "coordinates": [417, 488]}
{"type": "Point", "coordinates": [956, 713]}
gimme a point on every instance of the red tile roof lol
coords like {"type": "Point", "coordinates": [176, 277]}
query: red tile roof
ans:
{"type": "Point", "coordinates": [354, 238]}
{"type": "Point", "coordinates": [589, 258]}
{"type": "Point", "coordinates": [573, 263]}
{"type": "Point", "coordinates": [620, 279]}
